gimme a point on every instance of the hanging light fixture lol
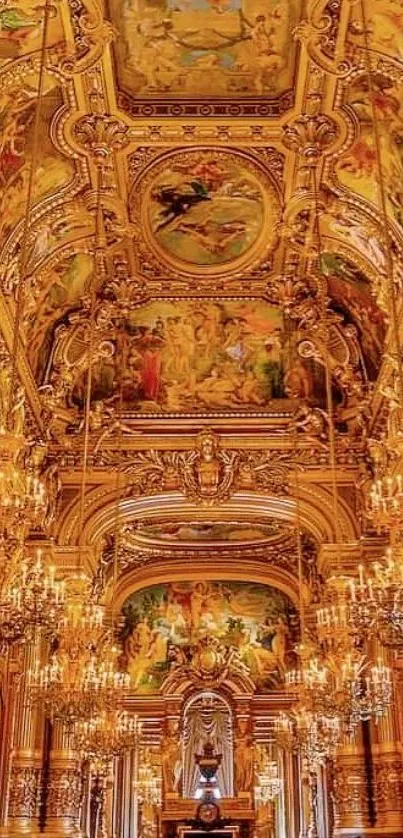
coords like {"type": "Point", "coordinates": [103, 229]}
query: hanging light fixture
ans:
{"type": "Point", "coordinates": [148, 783]}
{"type": "Point", "coordinates": [83, 678]}
{"type": "Point", "coordinates": [354, 684]}
{"type": "Point", "coordinates": [33, 600]}
{"type": "Point", "coordinates": [268, 783]}
{"type": "Point", "coordinates": [377, 599]}
{"type": "Point", "coordinates": [105, 736]}
{"type": "Point", "coordinates": [315, 736]}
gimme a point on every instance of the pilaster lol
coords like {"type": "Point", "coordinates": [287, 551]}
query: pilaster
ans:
{"type": "Point", "coordinates": [26, 763]}
{"type": "Point", "coordinates": [65, 787]}
{"type": "Point", "coordinates": [388, 766]}
{"type": "Point", "coordinates": [350, 793]}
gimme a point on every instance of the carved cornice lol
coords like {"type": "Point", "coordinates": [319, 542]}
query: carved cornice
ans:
{"type": "Point", "coordinates": [282, 555]}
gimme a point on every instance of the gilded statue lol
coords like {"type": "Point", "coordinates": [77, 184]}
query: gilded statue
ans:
{"type": "Point", "coordinates": [172, 757]}
{"type": "Point", "coordinates": [244, 757]}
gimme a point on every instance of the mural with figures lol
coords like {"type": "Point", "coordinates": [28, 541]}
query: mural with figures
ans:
{"type": "Point", "coordinates": [202, 48]}
{"type": "Point", "coordinates": [53, 170]}
{"type": "Point", "coordinates": [358, 168]}
{"type": "Point", "coordinates": [164, 624]}
{"type": "Point", "coordinates": [385, 26]}
{"type": "Point", "coordinates": [179, 357]}
{"type": "Point", "coordinates": [206, 212]}
{"type": "Point", "coordinates": [197, 532]}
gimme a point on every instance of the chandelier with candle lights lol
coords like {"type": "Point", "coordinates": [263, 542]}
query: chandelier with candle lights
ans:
{"type": "Point", "coordinates": [33, 600]}
{"type": "Point", "coordinates": [268, 783]}
{"type": "Point", "coordinates": [356, 690]}
{"type": "Point", "coordinates": [71, 689]}
{"type": "Point", "coordinates": [149, 781]}
{"type": "Point", "coordinates": [102, 737]}
{"type": "Point", "coordinates": [377, 602]}
{"type": "Point", "coordinates": [316, 736]}
{"type": "Point", "coordinates": [22, 492]}
{"type": "Point", "coordinates": [83, 677]}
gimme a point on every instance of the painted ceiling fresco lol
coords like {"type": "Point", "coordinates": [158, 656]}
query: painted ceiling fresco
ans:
{"type": "Point", "coordinates": [206, 212]}
{"type": "Point", "coordinates": [21, 25]}
{"type": "Point", "coordinates": [165, 626]}
{"type": "Point", "coordinates": [203, 48]}
{"type": "Point", "coordinates": [206, 113]}
{"type": "Point", "coordinates": [207, 532]}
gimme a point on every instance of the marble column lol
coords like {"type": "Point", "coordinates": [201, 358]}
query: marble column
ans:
{"type": "Point", "coordinates": [65, 787]}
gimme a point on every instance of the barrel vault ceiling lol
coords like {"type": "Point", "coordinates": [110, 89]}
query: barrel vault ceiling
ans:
{"type": "Point", "coordinates": [239, 143]}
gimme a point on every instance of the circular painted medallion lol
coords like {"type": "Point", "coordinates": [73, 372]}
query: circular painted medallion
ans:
{"type": "Point", "coordinates": [203, 209]}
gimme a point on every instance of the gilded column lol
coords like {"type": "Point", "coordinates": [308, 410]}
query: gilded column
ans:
{"type": "Point", "coordinates": [25, 774]}
{"type": "Point", "coordinates": [65, 787]}
{"type": "Point", "coordinates": [9, 685]}
{"type": "Point", "coordinates": [350, 792]}
{"type": "Point", "coordinates": [388, 769]}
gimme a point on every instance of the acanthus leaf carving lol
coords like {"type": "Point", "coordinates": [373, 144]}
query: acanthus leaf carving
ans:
{"type": "Point", "coordinates": [100, 134]}
{"type": "Point", "coordinates": [310, 136]}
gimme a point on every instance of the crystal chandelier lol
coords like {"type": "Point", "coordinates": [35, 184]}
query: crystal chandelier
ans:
{"type": "Point", "coordinates": [355, 689]}
{"type": "Point", "coordinates": [83, 627]}
{"type": "Point", "coordinates": [83, 677]}
{"type": "Point", "coordinates": [74, 689]}
{"type": "Point", "coordinates": [377, 598]}
{"type": "Point", "coordinates": [310, 680]}
{"type": "Point", "coordinates": [388, 585]}
{"type": "Point", "coordinates": [148, 783]}
{"type": "Point", "coordinates": [104, 736]}
{"type": "Point", "coordinates": [268, 782]}
{"type": "Point", "coordinates": [386, 501]}
{"type": "Point", "coordinates": [22, 492]}
{"type": "Point", "coordinates": [33, 600]}
{"type": "Point", "coordinates": [316, 736]}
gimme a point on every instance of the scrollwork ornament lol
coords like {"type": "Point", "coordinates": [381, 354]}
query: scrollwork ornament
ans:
{"type": "Point", "coordinates": [209, 474]}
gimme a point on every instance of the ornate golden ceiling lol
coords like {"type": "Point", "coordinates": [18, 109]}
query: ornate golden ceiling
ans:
{"type": "Point", "coordinates": [241, 199]}
{"type": "Point", "coordinates": [210, 114]}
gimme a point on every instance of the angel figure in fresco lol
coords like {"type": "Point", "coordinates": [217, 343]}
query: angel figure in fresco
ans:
{"type": "Point", "coordinates": [176, 201]}
{"type": "Point", "coordinates": [266, 62]}
{"type": "Point", "coordinates": [204, 600]}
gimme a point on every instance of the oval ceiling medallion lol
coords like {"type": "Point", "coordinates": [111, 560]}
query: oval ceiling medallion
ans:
{"type": "Point", "coordinates": [208, 210]}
